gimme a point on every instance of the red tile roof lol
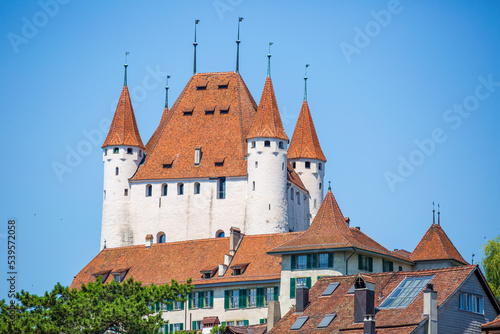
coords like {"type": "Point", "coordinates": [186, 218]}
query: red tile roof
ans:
{"type": "Point", "coordinates": [399, 320]}
{"type": "Point", "coordinates": [221, 135]}
{"type": "Point", "coordinates": [268, 121]}
{"type": "Point", "coordinates": [495, 324]}
{"type": "Point", "coordinates": [156, 135]}
{"type": "Point", "coordinates": [294, 178]}
{"type": "Point", "coordinates": [305, 143]}
{"type": "Point", "coordinates": [329, 230]}
{"type": "Point", "coordinates": [435, 245]}
{"type": "Point", "coordinates": [252, 329]}
{"type": "Point", "coordinates": [123, 129]}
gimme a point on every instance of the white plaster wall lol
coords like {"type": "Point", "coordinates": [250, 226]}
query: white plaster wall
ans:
{"type": "Point", "coordinates": [298, 214]}
{"type": "Point", "coordinates": [267, 205]}
{"type": "Point", "coordinates": [312, 178]}
{"type": "Point", "coordinates": [116, 225]}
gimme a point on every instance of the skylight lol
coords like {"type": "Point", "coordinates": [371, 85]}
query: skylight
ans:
{"type": "Point", "coordinates": [299, 322]}
{"type": "Point", "coordinates": [406, 292]}
{"type": "Point", "coordinates": [327, 320]}
{"type": "Point", "coordinates": [330, 289]}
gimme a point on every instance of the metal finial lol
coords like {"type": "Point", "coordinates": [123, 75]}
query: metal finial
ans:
{"type": "Point", "coordinates": [329, 186]}
{"type": "Point", "coordinates": [473, 258]}
{"type": "Point", "coordinates": [433, 214]}
{"type": "Point", "coordinates": [195, 44]}
{"type": "Point", "coordinates": [269, 60]}
{"type": "Point", "coordinates": [126, 65]}
{"type": "Point", "coordinates": [439, 223]}
{"type": "Point", "coordinates": [166, 92]}
{"type": "Point", "coordinates": [238, 46]}
{"type": "Point", "coordinates": [305, 83]}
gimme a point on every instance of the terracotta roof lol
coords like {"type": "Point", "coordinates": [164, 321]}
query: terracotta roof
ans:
{"type": "Point", "coordinates": [305, 143]}
{"type": "Point", "coordinates": [398, 320]}
{"type": "Point", "coordinates": [495, 324]}
{"type": "Point", "coordinates": [220, 134]}
{"type": "Point", "coordinates": [210, 320]}
{"type": "Point", "coordinates": [252, 329]}
{"type": "Point", "coordinates": [329, 230]}
{"type": "Point", "coordinates": [156, 135]}
{"type": "Point", "coordinates": [182, 260]}
{"type": "Point", "coordinates": [268, 121]}
{"type": "Point", "coordinates": [435, 245]}
{"type": "Point", "coordinates": [123, 129]}
{"type": "Point", "coordinates": [293, 177]}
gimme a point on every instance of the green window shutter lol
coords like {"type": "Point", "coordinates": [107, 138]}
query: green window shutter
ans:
{"type": "Point", "coordinates": [261, 321]}
{"type": "Point", "coordinates": [201, 299]}
{"type": "Point", "coordinates": [330, 260]}
{"type": "Point", "coordinates": [226, 299]}
{"type": "Point", "coordinates": [309, 261]}
{"type": "Point", "coordinates": [193, 325]}
{"type": "Point", "coordinates": [391, 266]}
{"type": "Point", "coordinates": [360, 262]}
{"type": "Point", "coordinates": [294, 262]}
{"type": "Point", "coordinates": [157, 305]}
{"type": "Point", "coordinates": [182, 326]}
{"type": "Point", "coordinates": [223, 323]}
{"type": "Point", "coordinates": [370, 263]}
{"type": "Point", "coordinates": [170, 306]}
{"type": "Point", "coordinates": [166, 328]}
{"type": "Point", "coordinates": [190, 300]}
{"type": "Point", "coordinates": [171, 328]}
{"type": "Point", "coordinates": [400, 268]}
{"type": "Point", "coordinates": [182, 305]}
{"type": "Point", "coordinates": [245, 323]}
{"type": "Point", "coordinates": [243, 298]}
{"type": "Point", "coordinates": [260, 297]}
{"type": "Point", "coordinates": [308, 282]}
{"type": "Point", "coordinates": [276, 292]}
{"type": "Point", "coordinates": [292, 287]}
{"type": "Point", "coordinates": [212, 298]}
{"type": "Point", "coordinates": [315, 263]}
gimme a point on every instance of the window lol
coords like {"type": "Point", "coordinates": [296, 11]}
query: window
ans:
{"type": "Point", "coordinates": [140, 153]}
{"type": "Point", "coordinates": [252, 297]}
{"type": "Point", "coordinates": [129, 150]}
{"type": "Point", "coordinates": [387, 265]}
{"type": "Point", "coordinates": [125, 192]}
{"type": "Point", "coordinates": [209, 299]}
{"type": "Point", "coordinates": [298, 197]}
{"type": "Point", "coordinates": [161, 237]}
{"type": "Point", "coordinates": [221, 193]}
{"type": "Point", "coordinates": [253, 185]}
{"type": "Point", "coordinates": [196, 325]}
{"type": "Point", "coordinates": [253, 144]}
{"type": "Point", "coordinates": [308, 164]}
{"type": "Point", "coordinates": [299, 322]}
{"type": "Point", "coordinates": [292, 194]}
{"type": "Point", "coordinates": [405, 292]}
{"type": "Point", "coordinates": [256, 164]}
{"type": "Point", "coordinates": [267, 143]}
{"type": "Point", "coordinates": [314, 206]}
{"type": "Point", "coordinates": [312, 261]}
{"type": "Point", "coordinates": [296, 282]}
{"type": "Point", "coordinates": [195, 300]}
{"type": "Point", "coordinates": [471, 303]}
{"type": "Point", "coordinates": [323, 260]}
{"type": "Point", "coordinates": [201, 299]}
{"type": "Point", "coordinates": [116, 278]}
{"type": "Point", "coordinates": [365, 263]}
{"type": "Point", "coordinates": [180, 188]}
{"type": "Point", "coordinates": [320, 185]}
{"type": "Point", "coordinates": [281, 145]}
{"type": "Point", "coordinates": [197, 156]}
{"type": "Point", "coordinates": [235, 298]}
{"type": "Point", "coordinates": [106, 151]}
{"type": "Point", "coordinates": [219, 234]}
{"type": "Point", "coordinates": [149, 190]}
{"type": "Point", "coordinates": [177, 305]}
{"type": "Point", "coordinates": [197, 188]}
{"type": "Point", "coordinates": [320, 166]}
{"type": "Point", "coordinates": [326, 320]}
{"type": "Point", "coordinates": [302, 262]}
{"type": "Point", "coordinates": [283, 166]}
{"type": "Point", "coordinates": [116, 150]}
{"type": "Point", "coordinates": [164, 189]}
{"type": "Point", "coordinates": [294, 164]}
{"type": "Point", "coordinates": [177, 327]}
{"type": "Point", "coordinates": [117, 171]}
{"type": "Point", "coordinates": [104, 194]}
{"type": "Point", "coordinates": [400, 268]}
{"type": "Point", "coordinates": [269, 296]}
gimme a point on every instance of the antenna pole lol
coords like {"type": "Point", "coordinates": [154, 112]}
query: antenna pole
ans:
{"type": "Point", "coordinates": [166, 92]}
{"type": "Point", "coordinates": [238, 46]}
{"type": "Point", "coordinates": [269, 60]}
{"type": "Point", "coordinates": [433, 214]}
{"type": "Point", "coordinates": [439, 223]}
{"type": "Point", "coordinates": [305, 83]}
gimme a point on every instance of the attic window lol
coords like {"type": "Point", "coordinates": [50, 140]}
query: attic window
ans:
{"type": "Point", "coordinates": [119, 275]}
{"type": "Point", "coordinates": [224, 109]}
{"type": "Point", "coordinates": [188, 111]}
{"type": "Point", "coordinates": [103, 273]}
{"type": "Point", "coordinates": [405, 292]}
{"type": "Point", "coordinates": [299, 322]}
{"type": "Point", "coordinates": [326, 320]}
{"type": "Point", "coordinates": [197, 155]}
{"type": "Point", "coordinates": [219, 161]}
{"type": "Point", "coordinates": [210, 110]}
{"type": "Point", "coordinates": [169, 161]}
{"type": "Point", "coordinates": [239, 269]}
{"type": "Point", "coordinates": [223, 84]}
{"type": "Point", "coordinates": [330, 289]}
{"type": "Point", "coordinates": [201, 85]}
{"type": "Point", "coordinates": [208, 273]}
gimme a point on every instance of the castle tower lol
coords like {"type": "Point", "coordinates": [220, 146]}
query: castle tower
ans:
{"type": "Point", "coordinates": [123, 151]}
{"type": "Point", "coordinates": [267, 168]}
{"type": "Point", "coordinates": [307, 157]}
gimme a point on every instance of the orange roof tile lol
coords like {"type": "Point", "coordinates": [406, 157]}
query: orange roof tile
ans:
{"type": "Point", "coordinates": [305, 143]}
{"type": "Point", "coordinates": [156, 135]}
{"type": "Point", "coordinates": [267, 123]}
{"type": "Point", "coordinates": [294, 178]}
{"type": "Point", "coordinates": [123, 129]}
{"type": "Point", "coordinates": [495, 324]}
{"type": "Point", "coordinates": [435, 245]}
{"type": "Point", "coordinates": [220, 134]}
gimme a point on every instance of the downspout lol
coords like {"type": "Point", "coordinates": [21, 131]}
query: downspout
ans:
{"type": "Point", "coordinates": [347, 260]}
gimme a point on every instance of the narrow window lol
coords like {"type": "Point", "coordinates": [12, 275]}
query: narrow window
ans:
{"type": "Point", "coordinates": [161, 237]}
{"type": "Point", "coordinates": [106, 151]}
{"type": "Point", "coordinates": [104, 194]}
{"type": "Point", "coordinates": [253, 186]}
{"type": "Point", "coordinates": [308, 164]}
{"type": "Point", "coordinates": [298, 197]}
{"type": "Point", "coordinates": [320, 185]}
{"type": "Point", "coordinates": [319, 166]}
{"type": "Point", "coordinates": [129, 150]}
{"type": "Point", "coordinates": [116, 150]}
{"type": "Point", "coordinates": [140, 153]}
{"type": "Point", "coordinates": [292, 195]}
{"type": "Point", "coordinates": [125, 192]}
{"type": "Point", "coordinates": [117, 278]}
{"type": "Point", "coordinates": [180, 189]}
{"type": "Point", "coordinates": [222, 188]}
{"type": "Point", "coordinates": [149, 190]}
{"type": "Point", "coordinates": [164, 189]}
{"type": "Point", "coordinates": [294, 165]}
{"type": "Point", "coordinates": [253, 144]}
{"type": "Point", "coordinates": [252, 297]}
{"type": "Point", "coordinates": [197, 156]}
{"type": "Point", "coordinates": [256, 164]}
{"type": "Point", "coordinates": [117, 171]}
{"type": "Point", "coordinates": [267, 143]}
{"type": "Point", "coordinates": [219, 234]}
{"type": "Point", "coordinates": [281, 145]}
{"type": "Point", "coordinates": [283, 166]}
{"type": "Point", "coordinates": [314, 206]}
{"type": "Point", "coordinates": [197, 188]}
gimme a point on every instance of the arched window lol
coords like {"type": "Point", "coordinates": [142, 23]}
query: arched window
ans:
{"type": "Point", "coordinates": [129, 150]}
{"type": "Point", "coordinates": [308, 164]}
{"type": "Point", "coordinates": [164, 189]}
{"type": "Point", "coordinates": [256, 164]}
{"type": "Point", "coordinates": [116, 150]}
{"type": "Point", "coordinates": [180, 188]}
{"type": "Point", "coordinates": [267, 143]}
{"type": "Point", "coordinates": [161, 238]}
{"type": "Point", "coordinates": [298, 197]}
{"type": "Point", "coordinates": [197, 188]}
{"type": "Point", "coordinates": [219, 234]}
{"type": "Point", "coordinates": [117, 171]}
{"type": "Point", "coordinates": [281, 145]}
{"type": "Point", "coordinates": [253, 144]}
{"type": "Point", "coordinates": [149, 190]}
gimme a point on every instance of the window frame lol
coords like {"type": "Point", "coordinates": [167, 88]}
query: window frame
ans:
{"type": "Point", "coordinates": [149, 190]}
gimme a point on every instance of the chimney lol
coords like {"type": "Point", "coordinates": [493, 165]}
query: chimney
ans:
{"type": "Point", "coordinates": [234, 240]}
{"type": "Point", "coordinates": [273, 314]}
{"type": "Point", "coordinates": [369, 324]}
{"type": "Point", "coordinates": [302, 298]}
{"type": "Point", "coordinates": [149, 240]}
{"type": "Point", "coordinates": [430, 308]}
{"type": "Point", "coordinates": [364, 299]}
{"type": "Point", "coordinates": [208, 323]}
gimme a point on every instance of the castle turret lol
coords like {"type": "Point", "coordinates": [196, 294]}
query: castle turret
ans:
{"type": "Point", "coordinates": [123, 151]}
{"type": "Point", "coordinates": [307, 157]}
{"type": "Point", "coordinates": [267, 167]}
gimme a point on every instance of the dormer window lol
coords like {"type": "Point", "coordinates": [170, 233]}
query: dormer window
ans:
{"type": "Point", "coordinates": [116, 150]}
{"type": "Point", "coordinates": [103, 273]}
{"type": "Point", "coordinates": [308, 165]}
{"type": "Point", "coordinates": [224, 109]}
{"type": "Point", "coordinates": [116, 278]}
{"type": "Point", "coordinates": [210, 110]}
{"type": "Point", "coordinates": [208, 272]}
{"type": "Point", "coordinates": [119, 275]}
{"type": "Point", "coordinates": [267, 143]}
{"type": "Point", "coordinates": [129, 150]}
{"type": "Point", "coordinates": [281, 145]}
{"type": "Point", "coordinates": [197, 155]}
{"type": "Point", "coordinates": [239, 269]}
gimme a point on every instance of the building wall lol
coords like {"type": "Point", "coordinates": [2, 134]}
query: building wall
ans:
{"type": "Point", "coordinates": [298, 209]}
{"type": "Point", "coordinates": [452, 320]}
{"type": "Point", "coordinates": [313, 180]}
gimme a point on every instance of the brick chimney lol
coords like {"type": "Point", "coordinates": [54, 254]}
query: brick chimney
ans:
{"type": "Point", "coordinates": [273, 314]}
{"type": "Point", "coordinates": [149, 240]}
{"type": "Point", "coordinates": [430, 308]}
{"type": "Point", "coordinates": [302, 298]}
{"type": "Point", "coordinates": [364, 300]}
{"type": "Point", "coordinates": [234, 240]}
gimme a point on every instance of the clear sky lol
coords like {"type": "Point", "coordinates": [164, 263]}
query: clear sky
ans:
{"type": "Point", "coordinates": [405, 96]}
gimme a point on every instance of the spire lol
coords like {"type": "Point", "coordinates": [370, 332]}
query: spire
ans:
{"type": "Point", "coordinates": [329, 186]}
{"type": "Point", "coordinates": [433, 214]}
{"type": "Point", "coordinates": [126, 65]}
{"type": "Point", "coordinates": [269, 60]}
{"type": "Point", "coordinates": [238, 46]}
{"type": "Point", "coordinates": [305, 83]}
{"type": "Point", "coordinates": [166, 93]}
{"type": "Point", "coordinates": [439, 223]}
{"type": "Point", "coordinates": [195, 44]}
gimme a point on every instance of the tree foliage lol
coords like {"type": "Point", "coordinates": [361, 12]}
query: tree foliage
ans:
{"type": "Point", "coordinates": [93, 308]}
{"type": "Point", "coordinates": [491, 265]}
{"type": "Point", "coordinates": [218, 329]}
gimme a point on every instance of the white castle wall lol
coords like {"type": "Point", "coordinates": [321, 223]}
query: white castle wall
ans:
{"type": "Point", "coordinates": [298, 208]}
{"type": "Point", "coordinates": [116, 225]}
{"type": "Point", "coordinates": [267, 186]}
{"type": "Point", "coordinates": [313, 180]}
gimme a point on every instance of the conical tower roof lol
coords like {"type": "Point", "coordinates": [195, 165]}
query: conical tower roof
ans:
{"type": "Point", "coordinates": [435, 245]}
{"type": "Point", "coordinates": [305, 143]}
{"type": "Point", "coordinates": [156, 135]}
{"type": "Point", "coordinates": [267, 122]}
{"type": "Point", "coordinates": [123, 129]}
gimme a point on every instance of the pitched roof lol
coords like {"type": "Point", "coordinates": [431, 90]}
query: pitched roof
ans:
{"type": "Point", "coordinates": [182, 260]}
{"type": "Point", "coordinates": [123, 129]}
{"type": "Point", "coordinates": [435, 245]}
{"type": "Point", "coordinates": [215, 112]}
{"type": "Point", "coordinates": [329, 230]}
{"type": "Point", "coordinates": [495, 324]}
{"type": "Point", "coordinates": [294, 178]}
{"type": "Point", "coordinates": [398, 320]}
{"type": "Point", "coordinates": [156, 135]}
{"type": "Point", "coordinates": [305, 143]}
{"type": "Point", "coordinates": [251, 329]}
{"type": "Point", "coordinates": [267, 123]}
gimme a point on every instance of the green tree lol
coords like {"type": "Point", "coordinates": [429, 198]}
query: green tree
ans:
{"type": "Point", "coordinates": [93, 308]}
{"type": "Point", "coordinates": [491, 265]}
{"type": "Point", "coordinates": [218, 329]}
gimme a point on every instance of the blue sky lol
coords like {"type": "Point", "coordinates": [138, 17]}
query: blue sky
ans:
{"type": "Point", "coordinates": [405, 96]}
